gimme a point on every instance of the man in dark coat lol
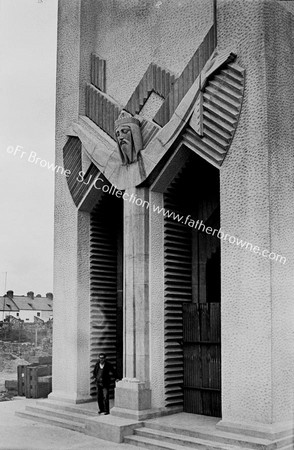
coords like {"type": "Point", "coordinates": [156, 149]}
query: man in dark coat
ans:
{"type": "Point", "coordinates": [102, 373]}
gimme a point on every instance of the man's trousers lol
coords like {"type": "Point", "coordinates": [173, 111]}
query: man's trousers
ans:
{"type": "Point", "coordinates": [103, 399]}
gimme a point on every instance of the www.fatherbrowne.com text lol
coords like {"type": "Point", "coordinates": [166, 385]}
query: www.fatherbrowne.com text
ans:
{"type": "Point", "coordinates": [199, 225]}
{"type": "Point", "coordinates": [99, 184]}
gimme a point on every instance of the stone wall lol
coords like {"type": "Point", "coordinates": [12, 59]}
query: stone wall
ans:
{"type": "Point", "coordinates": [130, 34]}
{"type": "Point", "coordinates": [257, 206]}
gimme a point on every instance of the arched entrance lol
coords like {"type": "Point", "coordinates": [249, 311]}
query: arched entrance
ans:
{"type": "Point", "coordinates": [192, 289]}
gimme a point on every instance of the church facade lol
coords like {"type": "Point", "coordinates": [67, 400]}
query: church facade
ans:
{"type": "Point", "coordinates": [174, 217]}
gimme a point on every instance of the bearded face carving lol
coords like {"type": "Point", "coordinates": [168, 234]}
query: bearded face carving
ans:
{"type": "Point", "coordinates": [128, 137]}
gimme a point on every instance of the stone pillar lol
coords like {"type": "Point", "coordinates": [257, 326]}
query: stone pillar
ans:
{"type": "Point", "coordinates": [157, 356]}
{"type": "Point", "coordinates": [71, 336]}
{"type": "Point", "coordinates": [257, 206]}
{"type": "Point", "coordinates": [132, 394]}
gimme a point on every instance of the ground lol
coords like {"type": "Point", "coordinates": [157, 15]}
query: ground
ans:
{"type": "Point", "coordinates": [22, 434]}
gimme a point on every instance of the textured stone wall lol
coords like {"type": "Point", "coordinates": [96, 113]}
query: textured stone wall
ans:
{"type": "Point", "coordinates": [69, 346]}
{"type": "Point", "coordinates": [257, 206]}
{"type": "Point", "coordinates": [279, 53]}
{"type": "Point", "coordinates": [130, 34]}
{"type": "Point", "coordinates": [288, 4]}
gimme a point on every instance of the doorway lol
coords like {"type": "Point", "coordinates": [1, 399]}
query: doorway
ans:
{"type": "Point", "coordinates": [106, 283]}
{"type": "Point", "coordinates": [192, 290]}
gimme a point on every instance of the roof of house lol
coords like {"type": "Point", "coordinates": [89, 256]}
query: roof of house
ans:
{"type": "Point", "coordinates": [36, 304]}
{"type": "Point", "coordinates": [42, 303]}
{"type": "Point", "coordinates": [6, 304]}
{"type": "Point", "coordinates": [25, 303]}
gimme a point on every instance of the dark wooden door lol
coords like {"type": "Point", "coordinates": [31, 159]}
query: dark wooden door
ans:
{"type": "Point", "coordinates": [202, 358]}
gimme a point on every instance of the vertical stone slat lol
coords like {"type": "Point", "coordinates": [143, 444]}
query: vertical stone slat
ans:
{"type": "Point", "coordinates": [103, 74]}
{"type": "Point", "coordinates": [98, 72]}
{"type": "Point", "coordinates": [159, 83]}
{"type": "Point", "coordinates": [149, 77]}
{"type": "Point", "coordinates": [144, 87]}
{"type": "Point", "coordinates": [92, 69]}
{"type": "Point", "coordinates": [95, 108]}
{"type": "Point", "coordinates": [100, 112]}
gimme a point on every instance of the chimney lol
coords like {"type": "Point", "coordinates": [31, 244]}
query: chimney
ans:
{"type": "Point", "coordinates": [30, 294]}
{"type": "Point", "coordinates": [10, 294]}
{"type": "Point", "coordinates": [49, 295]}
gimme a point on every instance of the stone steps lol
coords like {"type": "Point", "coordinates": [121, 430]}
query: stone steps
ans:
{"type": "Point", "coordinates": [82, 418]}
{"type": "Point", "coordinates": [156, 436]}
{"type": "Point", "coordinates": [148, 438]}
{"type": "Point", "coordinates": [157, 444]}
{"type": "Point", "coordinates": [87, 411]}
{"type": "Point", "coordinates": [53, 420]}
{"type": "Point", "coordinates": [57, 413]}
{"type": "Point", "coordinates": [218, 436]}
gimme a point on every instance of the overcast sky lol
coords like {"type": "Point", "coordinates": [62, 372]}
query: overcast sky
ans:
{"type": "Point", "coordinates": [27, 109]}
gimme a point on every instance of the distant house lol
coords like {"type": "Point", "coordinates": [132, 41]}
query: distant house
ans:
{"type": "Point", "coordinates": [7, 308]}
{"type": "Point", "coordinates": [27, 308]}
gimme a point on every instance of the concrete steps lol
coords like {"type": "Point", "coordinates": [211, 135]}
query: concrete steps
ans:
{"type": "Point", "coordinates": [82, 418]}
{"type": "Point", "coordinates": [156, 436]}
{"type": "Point", "coordinates": [57, 421]}
{"type": "Point", "coordinates": [153, 444]}
{"type": "Point", "coordinates": [172, 441]}
{"type": "Point", "coordinates": [58, 414]}
{"type": "Point", "coordinates": [68, 408]}
{"type": "Point", "coordinates": [50, 413]}
{"type": "Point", "coordinates": [174, 432]}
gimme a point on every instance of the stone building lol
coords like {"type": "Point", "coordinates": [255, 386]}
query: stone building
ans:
{"type": "Point", "coordinates": [174, 223]}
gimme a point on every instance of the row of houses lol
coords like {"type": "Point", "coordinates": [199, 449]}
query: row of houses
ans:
{"type": "Point", "coordinates": [29, 308]}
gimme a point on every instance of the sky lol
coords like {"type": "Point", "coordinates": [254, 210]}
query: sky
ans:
{"type": "Point", "coordinates": [28, 33]}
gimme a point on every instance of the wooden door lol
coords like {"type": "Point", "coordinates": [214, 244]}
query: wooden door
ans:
{"type": "Point", "coordinates": [202, 358]}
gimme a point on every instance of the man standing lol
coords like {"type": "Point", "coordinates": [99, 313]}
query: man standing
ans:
{"type": "Point", "coordinates": [102, 373]}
